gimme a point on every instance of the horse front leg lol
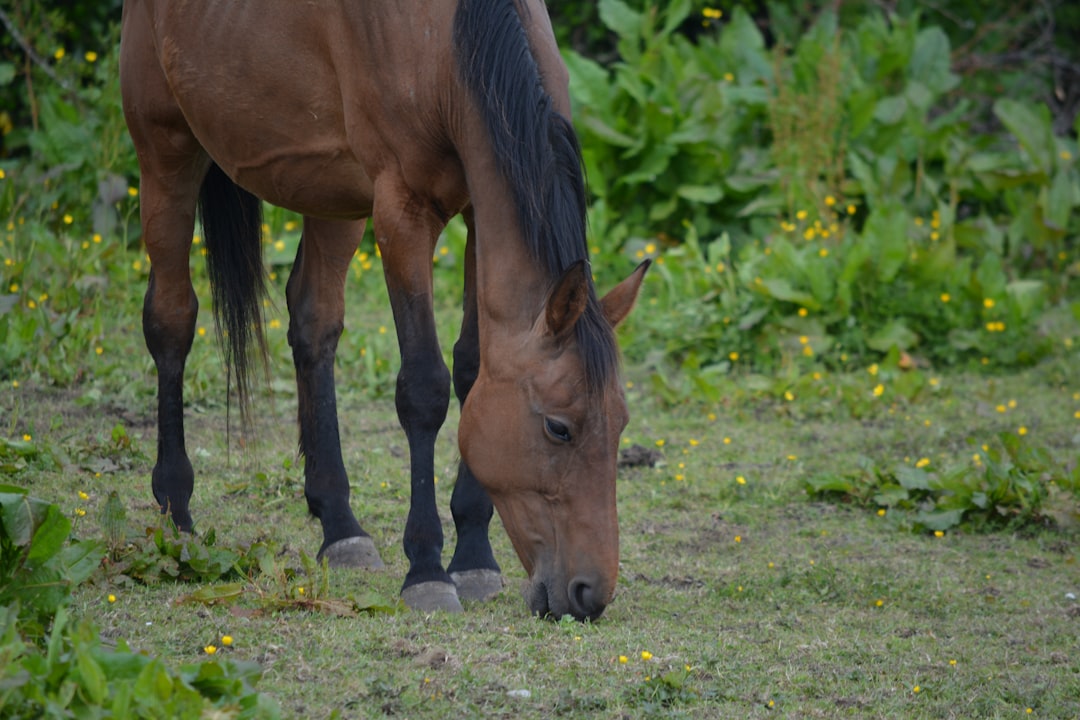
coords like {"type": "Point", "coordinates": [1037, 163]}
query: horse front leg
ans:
{"type": "Point", "coordinates": [473, 568]}
{"type": "Point", "coordinates": [316, 299]}
{"type": "Point", "coordinates": [406, 242]}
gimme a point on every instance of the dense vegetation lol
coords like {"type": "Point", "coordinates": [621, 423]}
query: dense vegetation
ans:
{"type": "Point", "coordinates": [821, 189]}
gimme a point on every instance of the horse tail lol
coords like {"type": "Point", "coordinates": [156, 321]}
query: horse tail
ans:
{"type": "Point", "coordinates": [231, 218]}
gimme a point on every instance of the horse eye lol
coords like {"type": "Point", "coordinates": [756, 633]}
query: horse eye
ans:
{"type": "Point", "coordinates": [557, 430]}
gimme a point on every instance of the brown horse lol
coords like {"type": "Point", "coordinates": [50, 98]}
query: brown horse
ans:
{"type": "Point", "coordinates": [407, 112]}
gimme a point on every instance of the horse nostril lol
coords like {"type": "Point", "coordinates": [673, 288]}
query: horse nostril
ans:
{"type": "Point", "coordinates": [585, 602]}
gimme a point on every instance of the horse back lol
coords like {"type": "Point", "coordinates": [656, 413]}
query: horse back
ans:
{"type": "Point", "coordinates": [305, 104]}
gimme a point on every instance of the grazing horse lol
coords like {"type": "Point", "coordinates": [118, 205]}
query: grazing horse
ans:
{"type": "Point", "coordinates": [408, 112]}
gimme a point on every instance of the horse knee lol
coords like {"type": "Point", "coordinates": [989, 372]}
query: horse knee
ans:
{"type": "Point", "coordinates": [423, 395]}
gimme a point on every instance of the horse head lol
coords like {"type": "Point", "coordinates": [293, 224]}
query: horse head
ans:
{"type": "Point", "coordinates": [545, 446]}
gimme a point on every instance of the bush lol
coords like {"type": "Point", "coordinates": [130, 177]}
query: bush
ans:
{"type": "Point", "coordinates": [50, 666]}
{"type": "Point", "coordinates": [826, 203]}
{"type": "Point", "coordinates": [816, 189]}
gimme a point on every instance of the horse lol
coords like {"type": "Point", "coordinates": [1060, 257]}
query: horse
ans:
{"type": "Point", "coordinates": [407, 113]}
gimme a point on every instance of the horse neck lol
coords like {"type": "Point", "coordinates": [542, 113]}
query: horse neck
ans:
{"type": "Point", "coordinates": [510, 285]}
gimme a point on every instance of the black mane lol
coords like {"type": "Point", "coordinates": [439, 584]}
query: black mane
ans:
{"type": "Point", "coordinates": [538, 155]}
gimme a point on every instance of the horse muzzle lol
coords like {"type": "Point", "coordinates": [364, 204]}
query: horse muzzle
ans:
{"type": "Point", "coordinates": [583, 597]}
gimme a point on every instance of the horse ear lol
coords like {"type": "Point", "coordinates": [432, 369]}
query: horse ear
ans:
{"type": "Point", "coordinates": [620, 299]}
{"type": "Point", "coordinates": [567, 300]}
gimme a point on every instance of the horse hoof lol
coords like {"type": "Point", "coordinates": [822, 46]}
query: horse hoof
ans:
{"type": "Point", "coordinates": [354, 552]}
{"type": "Point", "coordinates": [480, 584]}
{"type": "Point", "coordinates": [432, 596]}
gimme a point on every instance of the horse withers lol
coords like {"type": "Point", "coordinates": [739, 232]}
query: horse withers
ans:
{"type": "Point", "coordinates": [408, 112]}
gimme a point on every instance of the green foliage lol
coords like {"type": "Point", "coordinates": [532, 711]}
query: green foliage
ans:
{"type": "Point", "coordinates": [824, 203]}
{"type": "Point", "coordinates": [166, 554]}
{"type": "Point", "coordinates": [1006, 485]}
{"type": "Point", "coordinates": [52, 667]}
{"type": "Point", "coordinates": [656, 693]}
{"type": "Point", "coordinates": [817, 196]}
{"type": "Point", "coordinates": [67, 222]}
{"type": "Point", "coordinates": [76, 676]}
{"type": "Point", "coordinates": [38, 567]}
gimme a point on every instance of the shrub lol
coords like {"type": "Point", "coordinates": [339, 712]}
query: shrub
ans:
{"type": "Point", "coordinates": [51, 666]}
{"type": "Point", "coordinates": [822, 204]}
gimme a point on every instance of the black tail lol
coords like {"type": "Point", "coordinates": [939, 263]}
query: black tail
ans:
{"type": "Point", "coordinates": [231, 218]}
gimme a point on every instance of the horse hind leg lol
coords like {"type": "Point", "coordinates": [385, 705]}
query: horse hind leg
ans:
{"type": "Point", "coordinates": [473, 567]}
{"type": "Point", "coordinates": [170, 310]}
{"type": "Point", "coordinates": [316, 301]}
{"type": "Point", "coordinates": [172, 165]}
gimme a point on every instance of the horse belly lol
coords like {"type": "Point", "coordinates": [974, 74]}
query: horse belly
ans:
{"type": "Point", "coordinates": [328, 185]}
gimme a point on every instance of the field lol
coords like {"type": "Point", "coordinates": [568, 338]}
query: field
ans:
{"type": "Point", "coordinates": [852, 472]}
{"type": "Point", "coordinates": [739, 595]}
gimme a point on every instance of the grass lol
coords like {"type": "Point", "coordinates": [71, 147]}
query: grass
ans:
{"type": "Point", "coordinates": [747, 599]}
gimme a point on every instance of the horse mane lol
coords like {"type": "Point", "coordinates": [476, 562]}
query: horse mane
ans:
{"type": "Point", "coordinates": [538, 155]}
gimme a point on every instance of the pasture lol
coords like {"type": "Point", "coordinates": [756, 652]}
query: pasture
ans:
{"type": "Point", "coordinates": [736, 597]}
{"type": "Point", "coordinates": [850, 483]}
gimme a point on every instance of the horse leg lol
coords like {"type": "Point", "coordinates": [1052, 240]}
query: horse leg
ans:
{"type": "Point", "coordinates": [170, 308]}
{"type": "Point", "coordinates": [316, 299]}
{"type": "Point", "coordinates": [473, 567]}
{"type": "Point", "coordinates": [406, 241]}
{"type": "Point", "coordinates": [172, 165]}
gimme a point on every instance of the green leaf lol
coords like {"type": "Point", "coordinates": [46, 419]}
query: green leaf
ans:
{"type": "Point", "coordinates": [1032, 127]}
{"type": "Point", "coordinates": [1028, 295]}
{"type": "Point", "coordinates": [701, 193]}
{"type": "Point", "coordinates": [213, 594]}
{"type": "Point", "coordinates": [891, 110]}
{"type": "Point", "coordinates": [589, 82]}
{"type": "Point", "coordinates": [781, 289]}
{"type": "Point", "coordinates": [891, 496]}
{"type": "Point", "coordinates": [80, 559]}
{"type": "Point", "coordinates": [741, 40]}
{"type": "Point", "coordinates": [895, 334]}
{"type": "Point", "coordinates": [911, 478]}
{"type": "Point", "coordinates": [20, 515]}
{"type": "Point", "coordinates": [620, 18]}
{"type": "Point", "coordinates": [940, 519]}
{"type": "Point", "coordinates": [830, 484]}
{"type": "Point", "coordinates": [93, 679]}
{"type": "Point", "coordinates": [7, 73]}
{"type": "Point", "coordinates": [885, 236]}
{"type": "Point", "coordinates": [931, 62]}
{"type": "Point", "coordinates": [49, 536]}
{"type": "Point", "coordinates": [605, 132]}
{"type": "Point", "coordinates": [655, 162]}
{"type": "Point", "coordinates": [677, 11]}
{"type": "Point", "coordinates": [1058, 203]}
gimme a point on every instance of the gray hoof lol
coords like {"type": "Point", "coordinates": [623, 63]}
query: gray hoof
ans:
{"type": "Point", "coordinates": [354, 552]}
{"type": "Point", "coordinates": [477, 584]}
{"type": "Point", "coordinates": [432, 596]}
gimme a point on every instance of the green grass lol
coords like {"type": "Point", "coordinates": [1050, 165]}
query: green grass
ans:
{"type": "Point", "coordinates": [744, 594]}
